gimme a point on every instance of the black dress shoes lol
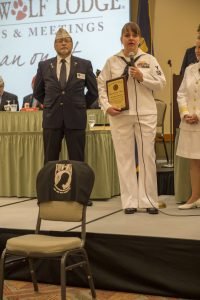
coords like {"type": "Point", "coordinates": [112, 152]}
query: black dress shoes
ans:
{"type": "Point", "coordinates": [129, 211]}
{"type": "Point", "coordinates": [152, 210]}
{"type": "Point", "coordinates": [90, 203]}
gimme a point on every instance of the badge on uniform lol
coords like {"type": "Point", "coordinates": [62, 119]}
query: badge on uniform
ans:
{"type": "Point", "coordinates": [158, 72]}
{"type": "Point", "coordinates": [81, 76]}
{"type": "Point", "coordinates": [143, 64]}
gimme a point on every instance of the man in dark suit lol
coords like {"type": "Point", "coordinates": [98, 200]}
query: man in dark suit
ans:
{"type": "Point", "coordinates": [30, 100]}
{"type": "Point", "coordinates": [190, 56]}
{"type": "Point", "coordinates": [66, 86]}
{"type": "Point", "coordinates": [5, 96]}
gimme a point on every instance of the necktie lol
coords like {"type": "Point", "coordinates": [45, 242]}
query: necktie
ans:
{"type": "Point", "coordinates": [125, 73]}
{"type": "Point", "coordinates": [63, 74]}
{"type": "Point", "coordinates": [128, 64]}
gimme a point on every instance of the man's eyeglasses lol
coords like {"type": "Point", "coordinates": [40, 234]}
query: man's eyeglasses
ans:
{"type": "Point", "coordinates": [65, 40]}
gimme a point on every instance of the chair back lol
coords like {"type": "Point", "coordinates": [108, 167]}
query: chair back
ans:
{"type": "Point", "coordinates": [161, 110]}
{"type": "Point", "coordinates": [63, 190]}
{"type": "Point", "coordinates": [65, 181]}
{"type": "Point", "coordinates": [66, 211]}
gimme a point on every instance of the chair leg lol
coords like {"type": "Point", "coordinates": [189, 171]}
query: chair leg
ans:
{"type": "Point", "coordinates": [166, 154]}
{"type": "Point", "coordinates": [155, 149]}
{"type": "Point", "coordinates": [2, 266]}
{"type": "Point", "coordinates": [89, 274]}
{"type": "Point", "coordinates": [63, 276]}
{"type": "Point", "coordinates": [33, 276]}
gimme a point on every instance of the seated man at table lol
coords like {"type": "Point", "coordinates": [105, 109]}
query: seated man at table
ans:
{"type": "Point", "coordinates": [5, 97]}
{"type": "Point", "coordinates": [30, 101]}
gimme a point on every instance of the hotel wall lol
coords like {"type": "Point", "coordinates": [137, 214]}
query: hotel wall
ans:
{"type": "Point", "coordinates": [174, 25]}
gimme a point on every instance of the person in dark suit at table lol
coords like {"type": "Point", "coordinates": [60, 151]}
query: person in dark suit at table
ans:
{"type": "Point", "coordinates": [190, 56]}
{"type": "Point", "coordinates": [5, 96]}
{"type": "Point", "coordinates": [66, 86]}
{"type": "Point", "coordinates": [30, 100]}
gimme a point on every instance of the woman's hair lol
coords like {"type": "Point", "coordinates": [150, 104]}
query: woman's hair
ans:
{"type": "Point", "coordinates": [131, 26]}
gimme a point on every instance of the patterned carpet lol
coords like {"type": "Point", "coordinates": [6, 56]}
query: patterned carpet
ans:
{"type": "Point", "coordinates": [20, 290]}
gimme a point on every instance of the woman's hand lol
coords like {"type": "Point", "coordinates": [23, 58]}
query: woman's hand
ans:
{"type": "Point", "coordinates": [113, 111]}
{"type": "Point", "coordinates": [191, 119]}
{"type": "Point", "coordinates": [136, 73]}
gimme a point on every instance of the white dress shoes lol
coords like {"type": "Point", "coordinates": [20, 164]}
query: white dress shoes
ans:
{"type": "Point", "coordinates": [195, 204]}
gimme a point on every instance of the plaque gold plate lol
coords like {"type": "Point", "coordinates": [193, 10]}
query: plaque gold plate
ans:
{"type": "Point", "coordinates": [117, 93]}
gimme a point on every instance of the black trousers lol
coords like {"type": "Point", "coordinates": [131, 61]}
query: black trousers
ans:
{"type": "Point", "coordinates": [52, 139]}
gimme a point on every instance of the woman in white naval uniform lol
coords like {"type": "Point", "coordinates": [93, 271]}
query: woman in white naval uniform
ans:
{"type": "Point", "coordinates": [189, 138]}
{"type": "Point", "coordinates": [138, 123]}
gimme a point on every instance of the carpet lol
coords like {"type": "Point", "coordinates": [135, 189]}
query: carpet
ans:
{"type": "Point", "coordinates": [21, 290]}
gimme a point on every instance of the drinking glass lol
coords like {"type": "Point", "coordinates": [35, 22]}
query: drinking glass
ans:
{"type": "Point", "coordinates": [13, 107]}
{"type": "Point", "coordinates": [91, 120]}
{"type": "Point", "coordinates": [8, 107]}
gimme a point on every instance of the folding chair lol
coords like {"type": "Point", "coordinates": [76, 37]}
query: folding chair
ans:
{"type": "Point", "coordinates": [68, 176]}
{"type": "Point", "coordinates": [160, 137]}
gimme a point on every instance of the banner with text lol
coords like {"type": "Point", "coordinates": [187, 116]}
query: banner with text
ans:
{"type": "Point", "coordinates": [27, 33]}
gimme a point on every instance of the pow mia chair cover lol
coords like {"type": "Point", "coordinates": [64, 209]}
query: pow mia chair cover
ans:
{"type": "Point", "coordinates": [65, 180]}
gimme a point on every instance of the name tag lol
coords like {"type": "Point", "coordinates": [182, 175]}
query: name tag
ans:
{"type": "Point", "coordinates": [80, 75]}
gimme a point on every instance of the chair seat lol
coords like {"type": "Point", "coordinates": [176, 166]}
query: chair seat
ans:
{"type": "Point", "coordinates": [33, 244]}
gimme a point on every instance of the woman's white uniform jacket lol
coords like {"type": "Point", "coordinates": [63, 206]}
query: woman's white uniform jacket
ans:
{"type": "Point", "coordinates": [188, 96]}
{"type": "Point", "coordinates": [153, 80]}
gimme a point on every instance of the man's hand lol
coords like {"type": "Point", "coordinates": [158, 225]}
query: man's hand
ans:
{"type": "Point", "coordinates": [113, 111]}
{"type": "Point", "coordinates": [191, 119]}
{"type": "Point", "coordinates": [136, 73]}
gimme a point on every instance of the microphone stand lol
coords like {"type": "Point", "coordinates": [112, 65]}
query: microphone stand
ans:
{"type": "Point", "coordinates": [170, 163]}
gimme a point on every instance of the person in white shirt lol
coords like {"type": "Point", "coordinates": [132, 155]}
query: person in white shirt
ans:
{"type": "Point", "coordinates": [6, 97]}
{"type": "Point", "coordinates": [189, 138]}
{"type": "Point", "coordinates": [138, 123]}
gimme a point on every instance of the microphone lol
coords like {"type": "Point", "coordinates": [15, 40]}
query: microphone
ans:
{"type": "Point", "coordinates": [132, 61]}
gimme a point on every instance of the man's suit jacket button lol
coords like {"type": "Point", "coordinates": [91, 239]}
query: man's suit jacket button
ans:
{"type": "Point", "coordinates": [63, 92]}
{"type": "Point", "coordinates": [61, 104]}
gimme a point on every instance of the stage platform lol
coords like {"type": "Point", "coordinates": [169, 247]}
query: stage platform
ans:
{"type": "Point", "coordinates": [152, 254]}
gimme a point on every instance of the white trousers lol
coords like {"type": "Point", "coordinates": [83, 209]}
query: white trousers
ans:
{"type": "Point", "coordinates": [125, 130]}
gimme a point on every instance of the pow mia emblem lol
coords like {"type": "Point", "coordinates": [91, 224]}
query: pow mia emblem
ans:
{"type": "Point", "coordinates": [63, 178]}
{"type": "Point", "coordinates": [158, 72]}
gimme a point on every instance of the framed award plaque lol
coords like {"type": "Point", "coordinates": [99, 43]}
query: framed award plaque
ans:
{"type": "Point", "coordinates": [117, 93]}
